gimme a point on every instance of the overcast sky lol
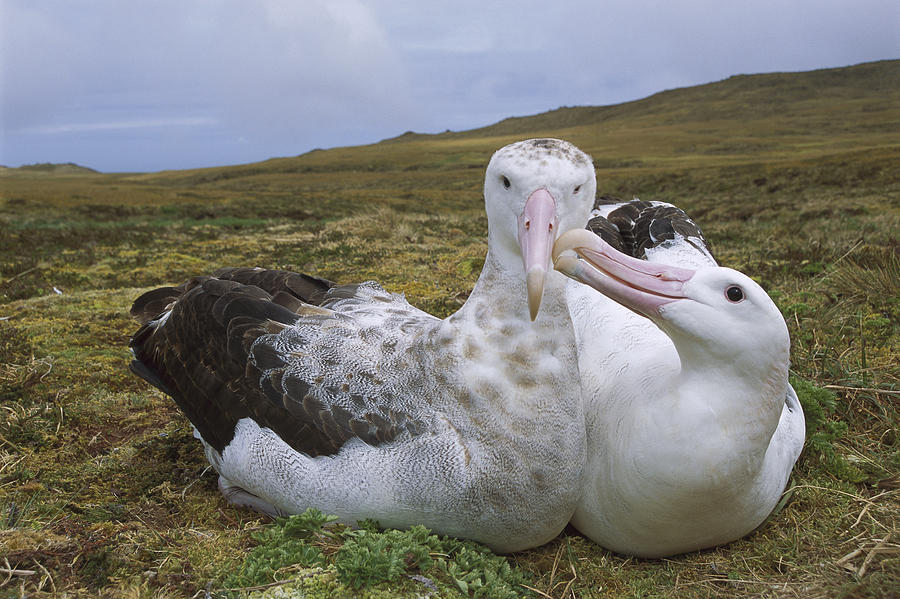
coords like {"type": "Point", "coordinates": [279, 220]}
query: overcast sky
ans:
{"type": "Point", "coordinates": [148, 85]}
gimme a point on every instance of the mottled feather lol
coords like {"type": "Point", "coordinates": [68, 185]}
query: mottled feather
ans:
{"type": "Point", "coordinates": [211, 364]}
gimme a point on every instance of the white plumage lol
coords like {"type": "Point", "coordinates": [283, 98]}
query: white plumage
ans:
{"type": "Point", "coordinates": [692, 427]}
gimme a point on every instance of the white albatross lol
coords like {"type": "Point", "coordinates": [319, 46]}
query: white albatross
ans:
{"type": "Point", "coordinates": [692, 426]}
{"type": "Point", "coordinates": [350, 400]}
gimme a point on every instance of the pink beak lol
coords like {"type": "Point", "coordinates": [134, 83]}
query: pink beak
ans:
{"type": "Point", "coordinates": [537, 232]}
{"type": "Point", "coordinates": [636, 284]}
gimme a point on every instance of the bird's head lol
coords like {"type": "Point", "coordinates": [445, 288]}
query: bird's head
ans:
{"type": "Point", "coordinates": [534, 190]}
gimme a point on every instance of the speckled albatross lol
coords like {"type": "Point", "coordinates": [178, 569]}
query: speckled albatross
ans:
{"type": "Point", "coordinates": [348, 399]}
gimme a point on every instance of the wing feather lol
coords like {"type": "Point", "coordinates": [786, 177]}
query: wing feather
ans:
{"type": "Point", "coordinates": [638, 227]}
{"type": "Point", "coordinates": [268, 345]}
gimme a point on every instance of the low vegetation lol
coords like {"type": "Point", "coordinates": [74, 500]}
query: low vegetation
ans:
{"type": "Point", "coordinates": [104, 491]}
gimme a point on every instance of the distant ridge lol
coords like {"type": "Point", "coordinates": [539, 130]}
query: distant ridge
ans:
{"type": "Point", "coordinates": [52, 168]}
{"type": "Point", "coordinates": [735, 98]}
{"type": "Point", "coordinates": [749, 119]}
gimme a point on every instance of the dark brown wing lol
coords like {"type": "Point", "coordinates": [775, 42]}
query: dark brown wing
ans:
{"type": "Point", "coordinates": [285, 287]}
{"type": "Point", "coordinates": [200, 355]}
{"type": "Point", "coordinates": [606, 229]}
{"type": "Point", "coordinates": [636, 226]}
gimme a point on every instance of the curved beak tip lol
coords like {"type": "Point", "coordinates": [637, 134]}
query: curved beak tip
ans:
{"type": "Point", "coordinates": [567, 263]}
{"type": "Point", "coordinates": [572, 240]}
{"type": "Point", "coordinates": [534, 281]}
{"type": "Point", "coordinates": [537, 232]}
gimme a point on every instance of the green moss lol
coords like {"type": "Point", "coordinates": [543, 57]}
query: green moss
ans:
{"type": "Point", "coordinates": [284, 544]}
{"type": "Point", "coordinates": [368, 558]}
{"type": "Point", "coordinates": [306, 551]}
{"type": "Point", "coordinates": [823, 430]}
{"type": "Point", "coordinates": [477, 572]}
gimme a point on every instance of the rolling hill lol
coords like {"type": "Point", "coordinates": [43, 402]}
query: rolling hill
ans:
{"type": "Point", "coordinates": [778, 118]}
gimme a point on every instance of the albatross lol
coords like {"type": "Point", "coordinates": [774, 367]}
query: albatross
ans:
{"type": "Point", "coordinates": [692, 426]}
{"type": "Point", "coordinates": [346, 398]}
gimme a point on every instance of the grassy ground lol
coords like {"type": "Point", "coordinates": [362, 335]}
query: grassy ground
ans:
{"type": "Point", "coordinates": [103, 491]}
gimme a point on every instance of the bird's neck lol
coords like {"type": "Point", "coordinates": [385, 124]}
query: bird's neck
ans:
{"type": "Point", "coordinates": [500, 294]}
{"type": "Point", "coordinates": [504, 351]}
{"type": "Point", "coordinates": [742, 386]}
{"type": "Point", "coordinates": [717, 411]}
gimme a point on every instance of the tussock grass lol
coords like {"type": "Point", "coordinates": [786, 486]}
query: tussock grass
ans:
{"type": "Point", "coordinates": [104, 491]}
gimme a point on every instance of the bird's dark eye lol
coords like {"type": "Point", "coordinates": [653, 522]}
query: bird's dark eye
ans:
{"type": "Point", "coordinates": [734, 294]}
{"type": "Point", "coordinates": [577, 189]}
{"type": "Point", "coordinates": [506, 182]}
